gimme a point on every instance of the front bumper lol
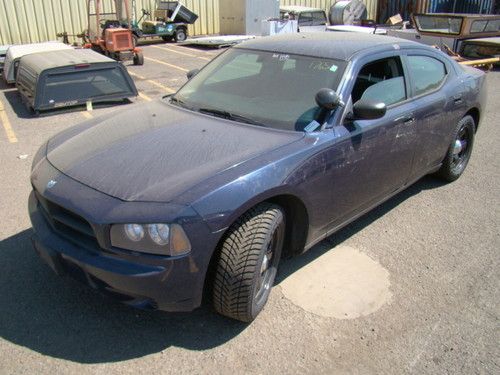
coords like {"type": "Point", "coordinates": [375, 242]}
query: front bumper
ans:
{"type": "Point", "coordinates": [141, 280]}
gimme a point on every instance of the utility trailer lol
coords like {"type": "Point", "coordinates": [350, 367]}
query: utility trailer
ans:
{"type": "Point", "coordinates": [170, 22]}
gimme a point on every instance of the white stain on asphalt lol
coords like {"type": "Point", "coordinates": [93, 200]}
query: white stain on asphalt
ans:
{"type": "Point", "coordinates": [344, 283]}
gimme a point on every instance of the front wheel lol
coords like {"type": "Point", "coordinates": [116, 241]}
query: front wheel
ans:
{"type": "Point", "coordinates": [139, 58]}
{"type": "Point", "coordinates": [460, 150]}
{"type": "Point", "coordinates": [180, 35]}
{"type": "Point", "coordinates": [248, 262]}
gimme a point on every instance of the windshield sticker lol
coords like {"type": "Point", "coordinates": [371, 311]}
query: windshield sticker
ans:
{"type": "Point", "coordinates": [333, 68]}
{"type": "Point", "coordinates": [322, 66]}
{"type": "Point", "coordinates": [281, 57]}
{"type": "Point", "coordinates": [312, 126]}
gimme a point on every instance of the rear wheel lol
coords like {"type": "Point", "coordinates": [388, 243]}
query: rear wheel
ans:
{"type": "Point", "coordinates": [458, 154]}
{"type": "Point", "coordinates": [180, 35]}
{"type": "Point", "coordinates": [248, 262]}
{"type": "Point", "coordinates": [138, 58]}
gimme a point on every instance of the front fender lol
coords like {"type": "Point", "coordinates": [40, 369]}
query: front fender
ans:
{"type": "Point", "coordinates": [224, 205]}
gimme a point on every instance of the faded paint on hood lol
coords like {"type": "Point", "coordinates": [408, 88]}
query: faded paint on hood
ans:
{"type": "Point", "coordinates": [154, 152]}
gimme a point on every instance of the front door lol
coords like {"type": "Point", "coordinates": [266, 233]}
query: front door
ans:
{"type": "Point", "coordinates": [373, 158]}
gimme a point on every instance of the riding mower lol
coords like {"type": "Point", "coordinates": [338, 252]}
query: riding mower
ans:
{"type": "Point", "coordinates": [110, 33]}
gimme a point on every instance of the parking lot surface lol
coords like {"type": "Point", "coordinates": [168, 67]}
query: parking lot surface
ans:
{"type": "Point", "coordinates": [411, 287]}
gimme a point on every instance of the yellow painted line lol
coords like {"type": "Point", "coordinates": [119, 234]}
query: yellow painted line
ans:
{"type": "Point", "coordinates": [182, 53]}
{"type": "Point", "coordinates": [167, 64]}
{"type": "Point", "coordinates": [11, 136]}
{"type": "Point", "coordinates": [166, 88]}
{"type": "Point", "coordinates": [145, 97]}
{"type": "Point", "coordinates": [87, 115]}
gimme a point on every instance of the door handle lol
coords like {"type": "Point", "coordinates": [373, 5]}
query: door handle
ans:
{"type": "Point", "coordinates": [457, 99]}
{"type": "Point", "coordinates": [405, 119]}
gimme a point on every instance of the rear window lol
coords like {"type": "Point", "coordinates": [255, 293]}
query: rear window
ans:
{"type": "Point", "coordinates": [485, 26]}
{"type": "Point", "coordinates": [439, 24]}
{"type": "Point", "coordinates": [83, 85]}
{"type": "Point", "coordinates": [319, 18]}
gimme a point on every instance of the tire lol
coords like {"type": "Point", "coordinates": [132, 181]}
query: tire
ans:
{"type": "Point", "coordinates": [135, 40]}
{"type": "Point", "coordinates": [139, 58]}
{"type": "Point", "coordinates": [248, 262]}
{"type": "Point", "coordinates": [458, 154]}
{"type": "Point", "coordinates": [180, 35]}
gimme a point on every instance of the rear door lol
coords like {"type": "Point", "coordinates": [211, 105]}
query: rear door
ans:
{"type": "Point", "coordinates": [438, 98]}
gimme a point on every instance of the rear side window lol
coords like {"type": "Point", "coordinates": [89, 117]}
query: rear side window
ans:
{"type": "Point", "coordinates": [427, 73]}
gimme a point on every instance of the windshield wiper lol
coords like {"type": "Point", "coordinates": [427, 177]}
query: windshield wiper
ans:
{"type": "Point", "coordinates": [230, 116]}
{"type": "Point", "coordinates": [179, 102]}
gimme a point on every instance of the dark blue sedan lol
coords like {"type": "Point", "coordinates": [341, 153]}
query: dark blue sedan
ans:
{"type": "Point", "coordinates": [273, 146]}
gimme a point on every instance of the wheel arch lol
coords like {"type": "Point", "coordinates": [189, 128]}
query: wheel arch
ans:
{"type": "Point", "coordinates": [475, 114]}
{"type": "Point", "coordinates": [296, 230]}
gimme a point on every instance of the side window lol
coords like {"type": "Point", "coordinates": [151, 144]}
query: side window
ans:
{"type": "Point", "coordinates": [319, 18]}
{"type": "Point", "coordinates": [426, 72]}
{"type": "Point", "coordinates": [305, 19]}
{"type": "Point", "coordinates": [381, 80]}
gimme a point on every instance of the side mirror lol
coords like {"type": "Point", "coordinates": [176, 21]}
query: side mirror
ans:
{"type": "Point", "coordinates": [192, 73]}
{"type": "Point", "coordinates": [365, 109]}
{"type": "Point", "coordinates": [328, 99]}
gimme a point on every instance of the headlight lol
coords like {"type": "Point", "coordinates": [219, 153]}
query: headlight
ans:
{"type": "Point", "coordinates": [157, 238]}
{"type": "Point", "coordinates": [134, 232]}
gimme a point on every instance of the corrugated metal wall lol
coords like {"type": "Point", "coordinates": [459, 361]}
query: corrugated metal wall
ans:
{"type": "Point", "coordinates": [30, 21]}
{"type": "Point", "coordinates": [388, 8]}
{"type": "Point", "coordinates": [371, 5]}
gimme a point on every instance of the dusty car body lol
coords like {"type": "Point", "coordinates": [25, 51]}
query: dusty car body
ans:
{"type": "Point", "coordinates": [14, 54]}
{"type": "Point", "coordinates": [273, 146]}
{"type": "Point", "coordinates": [57, 79]}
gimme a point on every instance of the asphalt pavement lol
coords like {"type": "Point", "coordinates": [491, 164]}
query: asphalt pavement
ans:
{"type": "Point", "coordinates": [412, 287]}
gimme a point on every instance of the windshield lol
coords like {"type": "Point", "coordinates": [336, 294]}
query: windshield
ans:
{"type": "Point", "coordinates": [269, 89]}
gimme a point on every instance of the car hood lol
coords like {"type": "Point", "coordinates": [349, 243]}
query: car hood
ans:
{"type": "Point", "coordinates": [154, 152]}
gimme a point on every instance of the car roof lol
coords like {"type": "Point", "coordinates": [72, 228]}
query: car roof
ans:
{"type": "Point", "coordinates": [298, 9]}
{"type": "Point", "coordinates": [57, 59]}
{"type": "Point", "coordinates": [331, 44]}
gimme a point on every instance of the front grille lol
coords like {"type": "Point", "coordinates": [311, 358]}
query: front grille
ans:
{"type": "Point", "coordinates": [70, 225]}
{"type": "Point", "coordinates": [122, 41]}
